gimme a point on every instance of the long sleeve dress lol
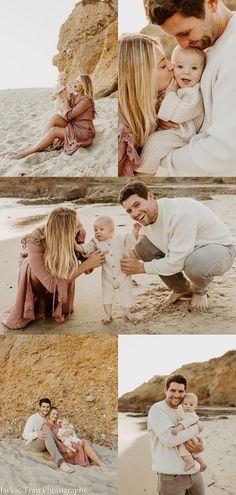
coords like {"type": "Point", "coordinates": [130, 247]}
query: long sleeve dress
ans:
{"type": "Point", "coordinates": [24, 309]}
{"type": "Point", "coordinates": [128, 156]}
{"type": "Point", "coordinates": [80, 458]}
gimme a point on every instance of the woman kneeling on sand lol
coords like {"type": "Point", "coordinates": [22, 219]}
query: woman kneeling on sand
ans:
{"type": "Point", "coordinates": [48, 269]}
{"type": "Point", "coordinates": [81, 453]}
{"type": "Point", "coordinates": [75, 129]}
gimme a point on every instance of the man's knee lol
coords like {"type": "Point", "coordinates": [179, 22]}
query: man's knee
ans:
{"type": "Point", "coordinates": [146, 251]}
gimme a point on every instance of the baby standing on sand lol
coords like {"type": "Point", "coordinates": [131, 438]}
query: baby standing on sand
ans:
{"type": "Point", "coordinates": [187, 417]}
{"type": "Point", "coordinates": [114, 246]}
{"type": "Point", "coordinates": [182, 104]}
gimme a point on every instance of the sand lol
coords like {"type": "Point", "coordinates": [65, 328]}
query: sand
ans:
{"type": "Point", "coordinates": [26, 112]}
{"type": "Point", "coordinates": [148, 289]}
{"type": "Point", "coordinates": [136, 477]}
{"type": "Point", "coordinates": [32, 473]}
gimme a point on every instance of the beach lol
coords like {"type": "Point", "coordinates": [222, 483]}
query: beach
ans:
{"type": "Point", "coordinates": [136, 476]}
{"type": "Point", "coordinates": [28, 473]}
{"type": "Point", "coordinates": [26, 112]}
{"type": "Point", "coordinates": [18, 218]}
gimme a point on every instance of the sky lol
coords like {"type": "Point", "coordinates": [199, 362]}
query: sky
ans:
{"type": "Point", "coordinates": [131, 16]}
{"type": "Point", "coordinates": [143, 356]}
{"type": "Point", "coordinates": [29, 31]}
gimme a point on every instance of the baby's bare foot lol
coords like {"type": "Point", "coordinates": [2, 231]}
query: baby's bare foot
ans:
{"type": "Point", "coordinates": [189, 465]}
{"type": "Point", "coordinates": [107, 320]}
{"type": "Point", "coordinates": [199, 302]}
{"type": "Point", "coordinates": [175, 296]}
{"type": "Point", "coordinates": [19, 156]}
{"type": "Point", "coordinates": [128, 316]}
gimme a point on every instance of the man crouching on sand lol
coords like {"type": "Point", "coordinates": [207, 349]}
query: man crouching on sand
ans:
{"type": "Point", "coordinates": [39, 440]}
{"type": "Point", "coordinates": [180, 236]}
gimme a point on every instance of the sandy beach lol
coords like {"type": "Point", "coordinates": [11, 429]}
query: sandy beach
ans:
{"type": "Point", "coordinates": [26, 112]}
{"type": "Point", "coordinates": [17, 219]}
{"type": "Point", "coordinates": [136, 477]}
{"type": "Point", "coordinates": [33, 473]}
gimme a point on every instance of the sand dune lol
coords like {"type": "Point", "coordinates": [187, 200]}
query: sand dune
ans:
{"type": "Point", "coordinates": [32, 473]}
{"type": "Point", "coordinates": [26, 112]}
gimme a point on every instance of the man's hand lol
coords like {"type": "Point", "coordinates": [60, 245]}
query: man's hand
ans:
{"type": "Point", "coordinates": [130, 266]}
{"type": "Point", "coordinates": [194, 447]}
{"type": "Point", "coordinates": [42, 435]}
{"type": "Point", "coordinates": [200, 427]}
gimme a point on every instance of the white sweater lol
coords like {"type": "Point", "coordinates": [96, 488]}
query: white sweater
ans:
{"type": "Point", "coordinates": [182, 225]}
{"type": "Point", "coordinates": [33, 426]}
{"type": "Point", "coordinates": [165, 456]}
{"type": "Point", "coordinates": [212, 152]}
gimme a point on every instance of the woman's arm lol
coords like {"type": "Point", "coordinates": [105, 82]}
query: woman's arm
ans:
{"type": "Point", "coordinates": [78, 109]}
{"type": "Point", "coordinates": [95, 260]}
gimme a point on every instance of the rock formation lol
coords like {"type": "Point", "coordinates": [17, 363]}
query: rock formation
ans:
{"type": "Point", "coordinates": [88, 44]}
{"type": "Point", "coordinates": [213, 381]}
{"type": "Point", "coordinates": [78, 373]}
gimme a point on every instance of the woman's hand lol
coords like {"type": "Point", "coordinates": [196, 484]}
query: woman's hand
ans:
{"type": "Point", "coordinates": [96, 259]}
{"type": "Point", "coordinates": [162, 124]}
{"type": "Point", "coordinates": [172, 86]}
{"type": "Point", "coordinates": [70, 453]}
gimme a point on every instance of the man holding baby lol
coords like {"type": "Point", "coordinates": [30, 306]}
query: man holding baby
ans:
{"type": "Point", "coordinates": [168, 432]}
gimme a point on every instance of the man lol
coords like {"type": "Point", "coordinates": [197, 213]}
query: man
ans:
{"type": "Point", "coordinates": [39, 440]}
{"type": "Point", "coordinates": [178, 235]}
{"type": "Point", "coordinates": [166, 460]}
{"type": "Point", "coordinates": [205, 24]}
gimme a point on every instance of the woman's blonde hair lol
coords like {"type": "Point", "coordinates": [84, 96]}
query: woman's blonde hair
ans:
{"type": "Point", "coordinates": [138, 84]}
{"type": "Point", "coordinates": [87, 84]}
{"type": "Point", "coordinates": [60, 232]}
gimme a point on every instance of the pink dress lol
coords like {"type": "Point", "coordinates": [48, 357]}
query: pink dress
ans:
{"type": "Point", "coordinates": [32, 257]}
{"type": "Point", "coordinates": [80, 458]}
{"type": "Point", "coordinates": [128, 156]}
{"type": "Point", "coordinates": [80, 131]}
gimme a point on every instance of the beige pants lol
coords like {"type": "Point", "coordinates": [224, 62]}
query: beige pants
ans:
{"type": "Point", "coordinates": [185, 484]}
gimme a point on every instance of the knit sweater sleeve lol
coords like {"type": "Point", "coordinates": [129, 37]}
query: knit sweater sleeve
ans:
{"type": "Point", "coordinates": [182, 236]}
{"type": "Point", "coordinates": [182, 106]}
{"type": "Point", "coordinates": [160, 423]}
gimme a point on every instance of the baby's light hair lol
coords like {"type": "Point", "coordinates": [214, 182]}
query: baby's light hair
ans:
{"type": "Point", "coordinates": [189, 49]}
{"type": "Point", "coordinates": [105, 219]}
{"type": "Point", "coordinates": [61, 74]}
{"type": "Point", "coordinates": [191, 396]}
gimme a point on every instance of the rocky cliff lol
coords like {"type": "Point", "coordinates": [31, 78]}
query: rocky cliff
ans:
{"type": "Point", "coordinates": [78, 373]}
{"type": "Point", "coordinates": [213, 381]}
{"type": "Point", "coordinates": [88, 44]}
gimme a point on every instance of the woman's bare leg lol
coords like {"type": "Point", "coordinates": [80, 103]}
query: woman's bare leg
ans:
{"type": "Point", "coordinates": [53, 133]}
{"type": "Point", "coordinates": [91, 454]}
{"type": "Point", "coordinates": [40, 292]}
{"type": "Point", "coordinates": [56, 120]}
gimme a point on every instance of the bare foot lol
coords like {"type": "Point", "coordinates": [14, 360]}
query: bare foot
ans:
{"type": "Point", "coordinates": [65, 468]}
{"type": "Point", "coordinates": [199, 302]}
{"type": "Point", "coordinates": [128, 316]}
{"type": "Point", "coordinates": [189, 465]}
{"type": "Point", "coordinates": [175, 296]}
{"type": "Point", "coordinates": [19, 156]}
{"type": "Point", "coordinates": [202, 463]}
{"type": "Point", "coordinates": [107, 320]}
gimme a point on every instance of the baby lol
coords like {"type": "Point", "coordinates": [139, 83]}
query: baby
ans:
{"type": "Point", "coordinates": [55, 95]}
{"type": "Point", "coordinates": [115, 247]}
{"type": "Point", "coordinates": [188, 417]}
{"type": "Point", "coordinates": [67, 434]}
{"type": "Point", "coordinates": [182, 104]}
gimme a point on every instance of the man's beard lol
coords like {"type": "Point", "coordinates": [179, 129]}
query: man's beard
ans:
{"type": "Point", "coordinates": [204, 43]}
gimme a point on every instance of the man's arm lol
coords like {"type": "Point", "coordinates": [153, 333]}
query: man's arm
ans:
{"type": "Point", "coordinates": [160, 424]}
{"type": "Point", "coordinates": [30, 433]}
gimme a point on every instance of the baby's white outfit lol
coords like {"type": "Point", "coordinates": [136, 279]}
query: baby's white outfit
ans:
{"type": "Point", "coordinates": [184, 107]}
{"type": "Point", "coordinates": [186, 419]}
{"type": "Point", "coordinates": [59, 106]}
{"type": "Point", "coordinates": [68, 440]}
{"type": "Point", "coordinates": [112, 277]}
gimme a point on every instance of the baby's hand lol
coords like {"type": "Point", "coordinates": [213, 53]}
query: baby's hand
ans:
{"type": "Point", "coordinates": [200, 427]}
{"type": "Point", "coordinates": [136, 228]}
{"type": "Point", "coordinates": [172, 86]}
{"type": "Point", "coordinates": [176, 429]}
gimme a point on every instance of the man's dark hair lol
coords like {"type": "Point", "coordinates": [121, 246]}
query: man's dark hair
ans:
{"type": "Point", "coordinates": [131, 188]}
{"type": "Point", "coordinates": [177, 379]}
{"type": "Point", "coordinates": [158, 11]}
{"type": "Point", "coordinates": [45, 400]}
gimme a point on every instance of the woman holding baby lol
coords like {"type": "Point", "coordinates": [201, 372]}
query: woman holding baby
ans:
{"type": "Point", "coordinates": [153, 92]}
{"type": "Point", "coordinates": [80, 452]}
{"type": "Point", "coordinates": [49, 266]}
{"type": "Point", "coordinates": [72, 128]}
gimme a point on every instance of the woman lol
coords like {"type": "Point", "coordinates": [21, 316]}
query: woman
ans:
{"type": "Point", "coordinates": [84, 451]}
{"type": "Point", "coordinates": [76, 129]}
{"type": "Point", "coordinates": [144, 74]}
{"type": "Point", "coordinates": [48, 269]}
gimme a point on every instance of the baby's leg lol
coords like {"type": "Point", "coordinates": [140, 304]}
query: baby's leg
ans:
{"type": "Point", "coordinates": [55, 120]}
{"type": "Point", "coordinates": [108, 293]}
{"type": "Point", "coordinates": [126, 299]}
{"type": "Point", "coordinates": [200, 461]}
{"type": "Point", "coordinates": [189, 462]}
